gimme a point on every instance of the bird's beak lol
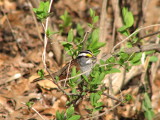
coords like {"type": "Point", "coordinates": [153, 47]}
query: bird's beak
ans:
{"type": "Point", "coordinates": [94, 59]}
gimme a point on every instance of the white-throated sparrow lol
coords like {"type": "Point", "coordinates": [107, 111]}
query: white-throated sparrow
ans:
{"type": "Point", "coordinates": [84, 62]}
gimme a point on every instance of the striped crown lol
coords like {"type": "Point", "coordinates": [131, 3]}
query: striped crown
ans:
{"type": "Point", "coordinates": [86, 53]}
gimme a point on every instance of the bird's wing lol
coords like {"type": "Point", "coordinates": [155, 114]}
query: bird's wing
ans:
{"type": "Point", "coordinates": [63, 73]}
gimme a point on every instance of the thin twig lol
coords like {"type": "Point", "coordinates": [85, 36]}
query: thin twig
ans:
{"type": "Point", "coordinates": [129, 51]}
{"type": "Point", "coordinates": [107, 111]}
{"type": "Point", "coordinates": [67, 73]}
{"type": "Point", "coordinates": [35, 20]}
{"type": "Point", "coordinates": [84, 41]}
{"type": "Point", "coordinates": [74, 76]}
{"type": "Point", "coordinates": [142, 28]}
{"type": "Point", "coordinates": [112, 93]}
{"type": "Point", "coordinates": [14, 37]}
{"type": "Point", "coordinates": [112, 97]}
{"type": "Point", "coordinates": [53, 80]}
{"type": "Point", "coordinates": [149, 35]}
{"type": "Point", "coordinates": [142, 48]}
{"type": "Point", "coordinates": [46, 38]}
{"type": "Point", "coordinates": [35, 111]}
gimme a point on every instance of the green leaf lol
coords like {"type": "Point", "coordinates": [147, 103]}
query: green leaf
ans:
{"type": "Point", "coordinates": [149, 115]}
{"type": "Point", "coordinates": [93, 43]}
{"type": "Point", "coordinates": [113, 70]}
{"type": "Point", "coordinates": [42, 11]}
{"type": "Point", "coordinates": [95, 81]}
{"type": "Point", "coordinates": [94, 37]}
{"type": "Point", "coordinates": [70, 111]}
{"type": "Point", "coordinates": [74, 81]}
{"type": "Point", "coordinates": [57, 78]}
{"type": "Point", "coordinates": [91, 12]}
{"type": "Point", "coordinates": [67, 45]}
{"type": "Point", "coordinates": [49, 32]}
{"type": "Point", "coordinates": [80, 30]}
{"type": "Point", "coordinates": [111, 60]}
{"type": "Point", "coordinates": [127, 17]}
{"type": "Point", "coordinates": [124, 56]}
{"type": "Point", "coordinates": [41, 73]}
{"type": "Point", "coordinates": [85, 78]}
{"type": "Point", "coordinates": [70, 36]}
{"type": "Point", "coordinates": [101, 76]}
{"type": "Point", "coordinates": [102, 61]}
{"type": "Point", "coordinates": [128, 97]}
{"type": "Point", "coordinates": [153, 59]}
{"type": "Point", "coordinates": [135, 40]}
{"type": "Point", "coordinates": [147, 107]}
{"type": "Point", "coordinates": [90, 25]}
{"type": "Point", "coordinates": [147, 100]}
{"type": "Point", "coordinates": [149, 52]}
{"type": "Point", "coordinates": [60, 116]}
{"type": "Point", "coordinates": [136, 58]}
{"type": "Point", "coordinates": [122, 29]}
{"type": "Point", "coordinates": [74, 73]}
{"type": "Point", "coordinates": [96, 74]}
{"type": "Point", "coordinates": [96, 52]}
{"type": "Point", "coordinates": [128, 20]}
{"type": "Point", "coordinates": [67, 21]}
{"type": "Point", "coordinates": [129, 45]}
{"type": "Point", "coordinates": [98, 105]}
{"type": "Point", "coordinates": [29, 104]}
{"type": "Point", "coordinates": [94, 97]}
{"type": "Point", "coordinates": [98, 45]}
{"type": "Point", "coordinates": [95, 19]}
{"type": "Point", "coordinates": [74, 117]}
{"type": "Point", "coordinates": [98, 108]}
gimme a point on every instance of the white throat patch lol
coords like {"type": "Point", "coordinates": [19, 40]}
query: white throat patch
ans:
{"type": "Point", "coordinates": [89, 61]}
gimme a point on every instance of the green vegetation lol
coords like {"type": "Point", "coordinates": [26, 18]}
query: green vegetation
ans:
{"type": "Point", "coordinates": [90, 84]}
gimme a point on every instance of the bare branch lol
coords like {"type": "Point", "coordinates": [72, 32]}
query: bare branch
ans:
{"type": "Point", "coordinates": [45, 38]}
{"type": "Point", "coordinates": [142, 28]}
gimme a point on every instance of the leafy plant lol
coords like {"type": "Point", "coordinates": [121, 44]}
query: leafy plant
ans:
{"type": "Point", "coordinates": [42, 11]}
{"type": "Point", "coordinates": [94, 18]}
{"type": "Point", "coordinates": [49, 33]}
{"type": "Point", "coordinates": [127, 98]}
{"type": "Point", "coordinates": [128, 21]}
{"type": "Point", "coordinates": [93, 44]}
{"type": "Point", "coordinates": [69, 44]}
{"type": "Point", "coordinates": [153, 59]}
{"type": "Point", "coordinates": [87, 87]}
{"type": "Point", "coordinates": [67, 21]}
{"type": "Point", "coordinates": [68, 115]}
{"type": "Point", "coordinates": [41, 73]}
{"type": "Point", "coordinates": [74, 81]}
{"type": "Point", "coordinates": [77, 42]}
{"type": "Point", "coordinates": [29, 104]}
{"type": "Point", "coordinates": [94, 98]}
{"type": "Point", "coordinates": [147, 107]}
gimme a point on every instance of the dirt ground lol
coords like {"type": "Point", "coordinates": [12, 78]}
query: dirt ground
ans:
{"type": "Point", "coordinates": [21, 47]}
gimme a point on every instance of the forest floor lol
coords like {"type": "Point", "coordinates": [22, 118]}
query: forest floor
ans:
{"type": "Point", "coordinates": [21, 48]}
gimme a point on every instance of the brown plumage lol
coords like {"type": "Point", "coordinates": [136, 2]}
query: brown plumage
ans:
{"type": "Point", "coordinates": [84, 62]}
{"type": "Point", "coordinates": [63, 72]}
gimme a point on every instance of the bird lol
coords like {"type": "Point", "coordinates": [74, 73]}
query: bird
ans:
{"type": "Point", "coordinates": [84, 62]}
